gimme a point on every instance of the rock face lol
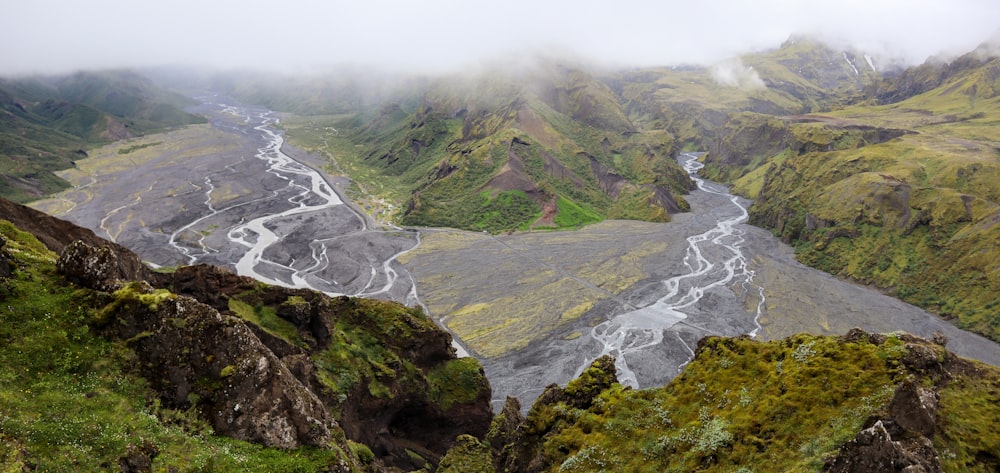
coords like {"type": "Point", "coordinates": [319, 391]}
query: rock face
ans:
{"type": "Point", "coordinates": [517, 440]}
{"type": "Point", "coordinates": [255, 384]}
{"type": "Point", "coordinates": [193, 356]}
{"type": "Point", "coordinates": [901, 438]}
{"type": "Point", "coordinates": [877, 449]}
{"type": "Point", "coordinates": [104, 268]}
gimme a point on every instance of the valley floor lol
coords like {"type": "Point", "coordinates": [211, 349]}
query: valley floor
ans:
{"type": "Point", "coordinates": [523, 303]}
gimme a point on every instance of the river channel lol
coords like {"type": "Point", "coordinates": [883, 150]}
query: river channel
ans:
{"type": "Point", "coordinates": [235, 194]}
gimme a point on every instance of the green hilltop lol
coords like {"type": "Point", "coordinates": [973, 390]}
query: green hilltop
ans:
{"type": "Point", "coordinates": [901, 195]}
{"type": "Point", "coordinates": [46, 123]}
{"type": "Point", "coordinates": [550, 147]}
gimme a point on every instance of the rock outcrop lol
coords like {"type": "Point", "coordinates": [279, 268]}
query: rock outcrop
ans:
{"type": "Point", "coordinates": [193, 356]}
{"type": "Point", "coordinates": [900, 440]}
{"type": "Point", "coordinates": [258, 385]}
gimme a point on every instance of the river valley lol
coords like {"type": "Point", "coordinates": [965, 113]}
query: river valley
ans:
{"type": "Point", "coordinates": [536, 308]}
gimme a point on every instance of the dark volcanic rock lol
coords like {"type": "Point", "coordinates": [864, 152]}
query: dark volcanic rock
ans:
{"type": "Point", "coordinates": [874, 449]}
{"type": "Point", "coordinates": [105, 268]}
{"type": "Point", "coordinates": [915, 408]}
{"type": "Point", "coordinates": [899, 441]}
{"type": "Point", "coordinates": [138, 458]}
{"type": "Point", "coordinates": [193, 355]}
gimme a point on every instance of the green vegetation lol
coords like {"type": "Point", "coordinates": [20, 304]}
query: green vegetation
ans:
{"type": "Point", "coordinates": [743, 405]}
{"type": "Point", "coordinates": [569, 214]}
{"type": "Point", "coordinates": [469, 455]}
{"type": "Point", "coordinates": [266, 318]}
{"type": "Point", "coordinates": [456, 382]}
{"type": "Point", "coordinates": [47, 123]}
{"type": "Point", "coordinates": [68, 400]}
{"type": "Point", "coordinates": [136, 147]}
{"type": "Point", "coordinates": [911, 213]}
{"type": "Point", "coordinates": [490, 153]}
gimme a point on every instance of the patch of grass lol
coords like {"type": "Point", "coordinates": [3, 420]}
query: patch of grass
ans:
{"type": "Point", "coordinates": [68, 400]}
{"type": "Point", "coordinates": [136, 147]}
{"type": "Point", "coordinates": [572, 215]}
{"type": "Point", "coordinates": [739, 404]}
{"type": "Point", "coordinates": [266, 318]}
{"type": "Point", "coordinates": [456, 382]}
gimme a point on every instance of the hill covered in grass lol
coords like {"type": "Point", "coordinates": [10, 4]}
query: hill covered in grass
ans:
{"type": "Point", "coordinates": [903, 195]}
{"type": "Point", "coordinates": [46, 123]}
{"type": "Point", "coordinates": [545, 147]}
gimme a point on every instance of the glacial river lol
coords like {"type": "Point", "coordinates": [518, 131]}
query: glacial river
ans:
{"type": "Point", "coordinates": [713, 259]}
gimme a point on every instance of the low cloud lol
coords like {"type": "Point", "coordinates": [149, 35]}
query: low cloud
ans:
{"type": "Point", "coordinates": [732, 73]}
{"type": "Point", "coordinates": [442, 35]}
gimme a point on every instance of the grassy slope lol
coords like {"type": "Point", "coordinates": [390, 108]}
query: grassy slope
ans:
{"type": "Point", "coordinates": [916, 215]}
{"type": "Point", "coordinates": [746, 406]}
{"type": "Point", "coordinates": [46, 123]}
{"type": "Point", "coordinates": [453, 153]}
{"type": "Point", "coordinates": [68, 402]}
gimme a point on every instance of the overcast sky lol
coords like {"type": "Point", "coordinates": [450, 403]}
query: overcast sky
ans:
{"type": "Point", "coordinates": [64, 35]}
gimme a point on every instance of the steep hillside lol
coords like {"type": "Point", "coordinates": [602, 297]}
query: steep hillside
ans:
{"type": "Point", "coordinates": [48, 122]}
{"type": "Point", "coordinates": [106, 363]}
{"type": "Point", "coordinates": [858, 403]}
{"type": "Point", "coordinates": [904, 196]}
{"type": "Point", "coordinates": [802, 75]}
{"type": "Point", "coordinates": [550, 148]}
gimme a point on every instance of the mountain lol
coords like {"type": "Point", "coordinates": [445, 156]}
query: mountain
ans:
{"type": "Point", "coordinates": [900, 195]}
{"type": "Point", "coordinates": [48, 122]}
{"type": "Point", "coordinates": [876, 173]}
{"type": "Point", "coordinates": [541, 146]}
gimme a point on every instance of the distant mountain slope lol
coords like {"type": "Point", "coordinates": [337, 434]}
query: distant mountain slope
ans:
{"type": "Point", "coordinates": [905, 196]}
{"type": "Point", "coordinates": [548, 147]}
{"type": "Point", "coordinates": [47, 122]}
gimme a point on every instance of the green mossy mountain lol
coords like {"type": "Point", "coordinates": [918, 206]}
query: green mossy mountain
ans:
{"type": "Point", "coordinates": [548, 147]}
{"type": "Point", "coordinates": [46, 123]}
{"type": "Point", "coordinates": [903, 196]}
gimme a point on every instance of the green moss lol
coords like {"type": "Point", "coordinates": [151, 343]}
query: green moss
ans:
{"type": "Point", "coordinates": [740, 403]}
{"type": "Point", "coordinates": [968, 437]}
{"type": "Point", "coordinates": [69, 400]}
{"type": "Point", "coordinates": [456, 382]}
{"type": "Point", "coordinates": [361, 452]}
{"type": "Point", "coordinates": [468, 455]}
{"type": "Point", "coordinates": [267, 318]}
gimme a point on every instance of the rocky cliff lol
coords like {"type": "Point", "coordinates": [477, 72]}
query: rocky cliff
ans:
{"type": "Point", "coordinates": [283, 368]}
